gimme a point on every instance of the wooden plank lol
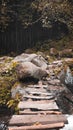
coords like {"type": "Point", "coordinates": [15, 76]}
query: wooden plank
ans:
{"type": "Point", "coordinates": [21, 120]}
{"type": "Point", "coordinates": [38, 105]}
{"type": "Point", "coordinates": [39, 127]}
{"type": "Point", "coordinates": [38, 97]}
{"type": "Point", "coordinates": [42, 101]}
{"type": "Point", "coordinates": [35, 90]}
{"type": "Point", "coordinates": [29, 112]}
{"type": "Point", "coordinates": [37, 86]}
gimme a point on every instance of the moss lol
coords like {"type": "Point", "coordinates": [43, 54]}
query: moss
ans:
{"type": "Point", "coordinates": [7, 79]}
{"type": "Point", "coordinates": [6, 82]}
{"type": "Point", "coordinates": [13, 105]}
{"type": "Point", "coordinates": [4, 93]}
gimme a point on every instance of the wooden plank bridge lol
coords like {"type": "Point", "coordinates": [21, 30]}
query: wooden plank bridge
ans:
{"type": "Point", "coordinates": [37, 111]}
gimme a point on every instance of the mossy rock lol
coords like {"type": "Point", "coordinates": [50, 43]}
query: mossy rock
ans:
{"type": "Point", "coordinates": [6, 83]}
{"type": "Point", "coordinates": [7, 79]}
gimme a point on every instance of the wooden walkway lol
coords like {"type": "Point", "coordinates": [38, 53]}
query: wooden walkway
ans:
{"type": "Point", "coordinates": [37, 111]}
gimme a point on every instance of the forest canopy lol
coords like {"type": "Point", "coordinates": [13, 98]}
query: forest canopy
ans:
{"type": "Point", "coordinates": [29, 12]}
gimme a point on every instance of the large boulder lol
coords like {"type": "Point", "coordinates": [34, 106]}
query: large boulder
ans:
{"type": "Point", "coordinates": [29, 70]}
{"type": "Point", "coordinates": [38, 60]}
{"type": "Point", "coordinates": [66, 78]}
{"type": "Point", "coordinates": [66, 53]}
{"type": "Point", "coordinates": [21, 58]}
{"type": "Point", "coordinates": [69, 78]}
{"type": "Point", "coordinates": [53, 52]}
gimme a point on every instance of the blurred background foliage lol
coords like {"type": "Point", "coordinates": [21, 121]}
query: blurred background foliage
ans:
{"type": "Point", "coordinates": [30, 12]}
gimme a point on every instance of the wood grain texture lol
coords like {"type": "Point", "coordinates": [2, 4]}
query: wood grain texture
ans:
{"type": "Point", "coordinates": [22, 120]}
{"type": "Point", "coordinates": [29, 112]}
{"type": "Point", "coordinates": [39, 127]}
{"type": "Point", "coordinates": [38, 105]}
{"type": "Point", "coordinates": [38, 97]}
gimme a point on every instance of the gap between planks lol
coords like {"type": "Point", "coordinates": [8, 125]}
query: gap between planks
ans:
{"type": "Point", "coordinates": [38, 97]}
{"type": "Point", "coordinates": [29, 112]}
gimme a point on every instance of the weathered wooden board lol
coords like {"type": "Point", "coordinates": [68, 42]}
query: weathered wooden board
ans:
{"type": "Point", "coordinates": [38, 86]}
{"type": "Point", "coordinates": [29, 112]}
{"type": "Point", "coordinates": [35, 90]}
{"type": "Point", "coordinates": [39, 101]}
{"type": "Point", "coordinates": [27, 120]}
{"type": "Point", "coordinates": [38, 105]}
{"type": "Point", "coordinates": [38, 97]}
{"type": "Point", "coordinates": [39, 127]}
